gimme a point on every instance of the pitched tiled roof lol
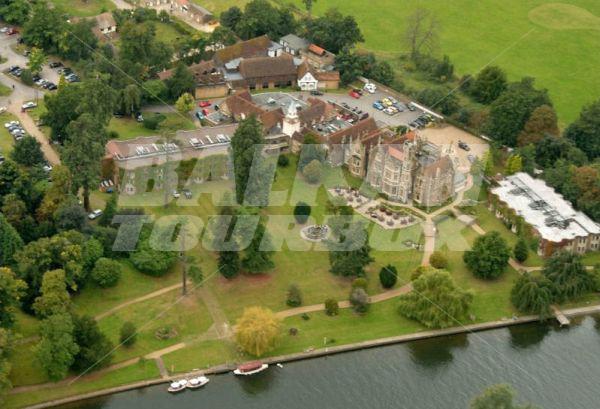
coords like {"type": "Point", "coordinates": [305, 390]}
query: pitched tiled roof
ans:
{"type": "Point", "coordinates": [441, 165]}
{"type": "Point", "coordinates": [359, 129]}
{"type": "Point", "coordinates": [244, 49]}
{"type": "Point", "coordinates": [238, 105]}
{"type": "Point", "coordinates": [313, 48]}
{"type": "Point", "coordinates": [317, 111]}
{"type": "Point", "coordinates": [269, 119]}
{"type": "Point", "coordinates": [261, 67]}
{"type": "Point", "coordinates": [327, 75]}
{"type": "Point", "coordinates": [105, 20]}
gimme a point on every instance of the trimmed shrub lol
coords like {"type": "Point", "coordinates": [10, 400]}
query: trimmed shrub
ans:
{"type": "Point", "coordinates": [331, 307]}
{"type": "Point", "coordinates": [313, 171]}
{"type": "Point", "coordinates": [359, 299]}
{"type": "Point", "coordinates": [438, 260]}
{"type": "Point", "coordinates": [128, 334]}
{"type": "Point", "coordinates": [283, 161]}
{"type": "Point", "coordinates": [521, 252]}
{"type": "Point", "coordinates": [388, 276]}
{"type": "Point", "coordinates": [302, 212]}
{"type": "Point", "coordinates": [360, 282]}
{"type": "Point", "coordinates": [106, 272]}
{"type": "Point", "coordinates": [294, 296]}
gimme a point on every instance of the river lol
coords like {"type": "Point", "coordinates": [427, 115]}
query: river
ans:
{"type": "Point", "coordinates": [550, 367]}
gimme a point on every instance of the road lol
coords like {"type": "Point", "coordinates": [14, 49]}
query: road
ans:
{"type": "Point", "coordinates": [22, 93]}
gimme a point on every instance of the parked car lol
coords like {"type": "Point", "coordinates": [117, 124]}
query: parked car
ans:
{"type": "Point", "coordinates": [205, 112]}
{"type": "Point", "coordinates": [28, 105]}
{"type": "Point", "coordinates": [370, 87]}
{"type": "Point", "coordinates": [377, 105]}
{"type": "Point", "coordinates": [176, 194]}
{"type": "Point", "coordinates": [12, 31]}
{"type": "Point", "coordinates": [316, 93]}
{"type": "Point", "coordinates": [354, 94]}
{"type": "Point", "coordinates": [3, 29]}
{"type": "Point", "coordinates": [187, 193]}
{"type": "Point", "coordinates": [55, 64]}
{"type": "Point", "coordinates": [2, 110]}
{"type": "Point", "coordinates": [47, 168]}
{"type": "Point", "coordinates": [95, 214]}
{"type": "Point", "coordinates": [199, 115]}
{"type": "Point", "coordinates": [204, 104]}
{"type": "Point", "coordinates": [139, 117]}
{"type": "Point", "coordinates": [412, 107]}
{"type": "Point", "coordinates": [364, 116]}
{"type": "Point", "coordinates": [462, 145]}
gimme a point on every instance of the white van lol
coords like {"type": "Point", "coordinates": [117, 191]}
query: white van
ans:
{"type": "Point", "coordinates": [370, 87]}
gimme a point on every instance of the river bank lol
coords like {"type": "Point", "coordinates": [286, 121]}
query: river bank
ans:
{"type": "Point", "coordinates": [424, 335]}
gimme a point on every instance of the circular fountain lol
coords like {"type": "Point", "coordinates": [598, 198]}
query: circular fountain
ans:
{"type": "Point", "coordinates": [315, 232]}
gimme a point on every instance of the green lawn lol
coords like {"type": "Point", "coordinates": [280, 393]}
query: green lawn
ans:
{"type": "Point", "coordinates": [6, 139]}
{"type": "Point", "coordinates": [85, 8]}
{"type": "Point", "coordinates": [129, 128]}
{"type": "Point", "coordinates": [137, 372]}
{"type": "Point", "coordinates": [4, 90]}
{"type": "Point", "coordinates": [217, 6]}
{"type": "Point", "coordinates": [520, 47]}
{"type": "Point", "coordinates": [187, 318]}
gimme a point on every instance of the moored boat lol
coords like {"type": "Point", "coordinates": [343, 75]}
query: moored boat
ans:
{"type": "Point", "coordinates": [250, 368]}
{"type": "Point", "coordinates": [178, 386]}
{"type": "Point", "coordinates": [198, 382]}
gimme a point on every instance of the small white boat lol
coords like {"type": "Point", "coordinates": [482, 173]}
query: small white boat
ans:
{"type": "Point", "coordinates": [198, 382]}
{"type": "Point", "coordinates": [178, 386]}
{"type": "Point", "coordinates": [250, 368]}
{"type": "Point", "coordinates": [279, 366]}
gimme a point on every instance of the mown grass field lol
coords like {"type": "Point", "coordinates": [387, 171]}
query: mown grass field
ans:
{"type": "Point", "coordinates": [555, 44]}
{"type": "Point", "coordinates": [6, 139]}
{"type": "Point", "coordinates": [84, 8]}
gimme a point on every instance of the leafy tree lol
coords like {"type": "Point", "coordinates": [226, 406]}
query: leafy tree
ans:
{"type": "Point", "coordinates": [257, 330]}
{"type": "Point", "coordinates": [261, 17]}
{"type": "Point", "coordinates": [95, 349]}
{"type": "Point", "coordinates": [568, 275]}
{"type": "Point", "coordinates": [313, 171]}
{"type": "Point", "coordinates": [49, 253]}
{"type": "Point", "coordinates": [229, 263]}
{"type": "Point", "coordinates": [542, 122]}
{"type": "Point", "coordinates": [551, 149]}
{"type": "Point", "coordinates": [521, 250]}
{"type": "Point", "coordinates": [69, 215]}
{"type": "Point", "coordinates": [258, 254]}
{"type": "Point", "coordinates": [15, 12]}
{"type": "Point", "coordinates": [80, 43]}
{"type": "Point", "coordinates": [514, 164]}
{"type": "Point", "coordinates": [489, 84]}
{"type": "Point", "coordinates": [154, 91]}
{"type": "Point", "coordinates": [359, 299]}
{"type": "Point", "coordinates": [283, 161]}
{"type": "Point", "coordinates": [55, 298]}
{"type": "Point", "coordinates": [106, 272]}
{"type": "Point", "coordinates": [6, 347]}
{"type": "Point", "coordinates": [489, 256]}
{"type": "Point", "coordinates": [511, 110]}
{"type": "Point", "coordinates": [532, 294]}
{"type": "Point", "coordinates": [27, 152]}
{"type": "Point", "coordinates": [185, 103]}
{"type": "Point", "coordinates": [61, 109]}
{"type": "Point", "coordinates": [10, 242]}
{"type": "Point", "coordinates": [141, 55]}
{"type": "Point", "coordinates": [388, 276]}
{"type": "Point", "coordinates": [246, 144]}
{"type": "Point", "coordinates": [331, 307]}
{"type": "Point", "coordinates": [497, 397]}
{"type": "Point", "coordinates": [45, 28]}
{"type": "Point", "coordinates": [181, 82]}
{"type": "Point", "coordinates": [231, 17]}
{"type": "Point", "coordinates": [585, 131]}
{"type": "Point", "coordinates": [57, 348]}
{"type": "Point", "coordinates": [333, 31]}
{"type": "Point", "coordinates": [294, 296]}
{"type": "Point", "coordinates": [437, 98]}
{"type": "Point", "coordinates": [11, 291]}
{"type": "Point", "coordinates": [131, 99]}
{"type": "Point", "coordinates": [37, 59]}
{"type": "Point", "coordinates": [438, 260]}
{"type": "Point", "coordinates": [27, 77]}
{"type": "Point", "coordinates": [352, 253]}
{"type": "Point", "coordinates": [9, 173]}
{"type": "Point", "coordinates": [302, 212]}
{"type": "Point", "coordinates": [149, 260]}
{"type": "Point", "coordinates": [110, 210]}
{"type": "Point", "coordinates": [128, 334]}
{"type": "Point", "coordinates": [98, 99]}
{"type": "Point", "coordinates": [435, 301]}
{"type": "Point", "coordinates": [83, 151]}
